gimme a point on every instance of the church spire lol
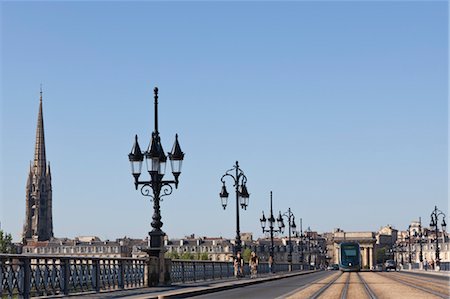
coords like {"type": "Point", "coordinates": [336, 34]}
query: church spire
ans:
{"type": "Point", "coordinates": [38, 214]}
{"type": "Point", "coordinates": [39, 149]}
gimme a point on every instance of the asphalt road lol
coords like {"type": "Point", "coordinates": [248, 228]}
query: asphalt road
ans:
{"type": "Point", "coordinates": [271, 289]}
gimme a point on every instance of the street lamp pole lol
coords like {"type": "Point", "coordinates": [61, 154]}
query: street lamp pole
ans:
{"type": "Point", "coordinates": [308, 239]}
{"type": "Point", "coordinates": [434, 223]}
{"type": "Point", "coordinates": [394, 250]}
{"type": "Point", "coordinates": [420, 241]}
{"type": "Point", "coordinates": [301, 242]}
{"type": "Point", "coordinates": [271, 229]}
{"type": "Point", "coordinates": [242, 197]}
{"type": "Point", "coordinates": [156, 187]}
{"type": "Point", "coordinates": [409, 244]}
{"type": "Point", "coordinates": [291, 224]}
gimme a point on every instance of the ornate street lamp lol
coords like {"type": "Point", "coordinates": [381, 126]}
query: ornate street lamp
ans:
{"type": "Point", "coordinates": [301, 242]}
{"type": "Point", "coordinates": [242, 197]}
{"type": "Point", "coordinates": [272, 229]}
{"type": "Point", "coordinates": [156, 187]}
{"type": "Point", "coordinates": [291, 225]}
{"type": "Point", "coordinates": [395, 250]}
{"type": "Point", "coordinates": [308, 239]}
{"type": "Point", "coordinates": [420, 236]}
{"type": "Point", "coordinates": [434, 223]}
{"type": "Point", "coordinates": [408, 237]}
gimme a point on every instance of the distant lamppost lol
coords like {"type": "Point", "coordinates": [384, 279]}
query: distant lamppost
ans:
{"type": "Point", "coordinates": [272, 229]}
{"type": "Point", "coordinates": [301, 242]}
{"type": "Point", "coordinates": [320, 255]}
{"type": "Point", "coordinates": [291, 225]}
{"type": "Point", "coordinates": [420, 236]}
{"type": "Point", "coordinates": [242, 197]}
{"type": "Point", "coordinates": [395, 249]}
{"type": "Point", "coordinates": [308, 239]}
{"type": "Point", "coordinates": [409, 244]}
{"type": "Point", "coordinates": [156, 166]}
{"type": "Point", "coordinates": [434, 223]}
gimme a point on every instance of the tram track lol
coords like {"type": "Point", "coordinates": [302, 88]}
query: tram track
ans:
{"type": "Point", "coordinates": [368, 290]}
{"type": "Point", "coordinates": [372, 285]}
{"type": "Point", "coordinates": [344, 291]}
{"type": "Point", "coordinates": [414, 284]}
{"type": "Point", "coordinates": [352, 282]}
{"type": "Point", "coordinates": [319, 292]}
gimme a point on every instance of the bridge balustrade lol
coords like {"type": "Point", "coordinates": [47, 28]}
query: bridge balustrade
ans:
{"type": "Point", "coordinates": [192, 270]}
{"type": "Point", "coordinates": [444, 266]}
{"type": "Point", "coordinates": [41, 275]}
{"type": "Point", "coordinates": [48, 275]}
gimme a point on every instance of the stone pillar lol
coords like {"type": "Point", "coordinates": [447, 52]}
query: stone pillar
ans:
{"type": "Point", "coordinates": [157, 270]}
{"type": "Point", "coordinates": [371, 257]}
{"type": "Point", "coordinates": [336, 254]}
{"type": "Point", "coordinates": [364, 255]}
{"type": "Point", "coordinates": [152, 272]}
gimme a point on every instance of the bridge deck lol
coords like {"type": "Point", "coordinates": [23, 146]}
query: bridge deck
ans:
{"type": "Point", "coordinates": [190, 289]}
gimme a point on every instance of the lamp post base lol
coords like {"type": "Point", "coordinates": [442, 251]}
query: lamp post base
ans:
{"type": "Point", "coordinates": [158, 268]}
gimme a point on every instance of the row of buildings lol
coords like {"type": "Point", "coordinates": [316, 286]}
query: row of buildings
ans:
{"type": "Point", "coordinates": [315, 249]}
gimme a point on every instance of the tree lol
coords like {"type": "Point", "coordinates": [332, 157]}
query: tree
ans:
{"type": "Point", "coordinates": [6, 244]}
{"type": "Point", "coordinates": [186, 256]}
{"type": "Point", "coordinates": [247, 254]}
{"type": "Point", "coordinates": [172, 255]}
{"type": "Point", "coordinates": [203, 256]}
{"type": "Point", "coordinates": [381, 255]}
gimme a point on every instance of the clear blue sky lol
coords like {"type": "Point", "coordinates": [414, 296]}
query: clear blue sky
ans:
{"type": "Point", "coordinates": [340, 108]}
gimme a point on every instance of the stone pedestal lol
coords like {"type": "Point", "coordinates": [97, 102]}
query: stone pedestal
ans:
{"type": "Point", "coordinates": [158, 271]}
{"type": "Point", "coordinates": [158, 268]}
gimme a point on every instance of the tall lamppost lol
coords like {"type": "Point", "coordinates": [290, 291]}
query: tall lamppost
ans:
{"type": "Point", "coordinates": [301, 242]}
{"type": "Point", "coordinates": [420, 235]}
{"type": "Point", "coordinates": [395, 250]}
{"type": "Point", "coordinates": [434, 223]}
{"type": "Point", "coordinates": [272, 229]}
{"type": "Point", "coordinates": [409, 244]}
{"type": "Point", "coordinates": [242, 197]}
{"type": "Point", "coordinates": [156, 187]}
{"type": "Point", "coordinates": [392, 251]}
{"type": "Point", "coordinates": [308, 239]}
{"type": "Point", "coordinates": [291, 225]}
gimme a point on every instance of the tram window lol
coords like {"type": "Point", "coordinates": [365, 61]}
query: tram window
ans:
{"type": "Point", "coordinates": [350, 252]}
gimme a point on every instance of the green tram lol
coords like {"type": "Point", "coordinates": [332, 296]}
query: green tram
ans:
{"type": "Point", "coordinates": [349, 257]}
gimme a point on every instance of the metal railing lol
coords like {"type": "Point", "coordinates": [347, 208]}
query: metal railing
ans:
{"type": "Point", "coordinates": [444, 266]}
{"type": "Point", "coordinates": [191, 270]}
{"type": "Point", "coordinates": [41, 275]}
{"type": "Point", "coordinates": [48, 275]}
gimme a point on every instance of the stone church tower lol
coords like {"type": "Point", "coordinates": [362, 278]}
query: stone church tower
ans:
{"type": "Point", "coordinates": [39, 221]}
